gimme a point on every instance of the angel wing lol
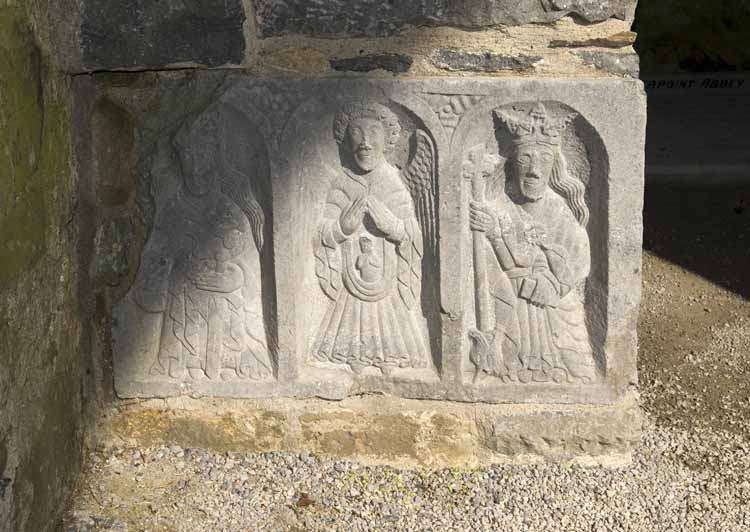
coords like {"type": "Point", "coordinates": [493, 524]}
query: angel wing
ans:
{"type": "Point", "coordinates": [239, 157]}
{"type": "Point", "coordinates": [327, 261]}
{"type": "Point", "coordinates": [419, 176]}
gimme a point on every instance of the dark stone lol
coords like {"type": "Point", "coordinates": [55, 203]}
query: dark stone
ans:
{"type": "Point", "coordinates": [684, 35]}
{"type": "Point", "coordinates": [4, 483]}
{"type": "Point", "coordinates": [378, 18]}
{"type": "Point", "coordinates": [612, 62]}
{"type": "Point", "coordinates": [395, 63]}
{"type": "Point", "coordinates": [450, 59]}
{"type": "Point", "coordinates": [112, 249]}
{"type": "Point", "coordinates": [618, 40]}
{"type": "Point", "coordinates": [155, 33]}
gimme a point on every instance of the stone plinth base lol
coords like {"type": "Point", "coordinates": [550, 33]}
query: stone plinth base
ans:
{"type": "Point", "coordinates": [385, 430]}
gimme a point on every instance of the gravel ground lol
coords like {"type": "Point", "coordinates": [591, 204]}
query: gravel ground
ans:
{"type": "Point", "coordinates": [691, 472]}
{"type": "Point", "coordinates": [173, 489]}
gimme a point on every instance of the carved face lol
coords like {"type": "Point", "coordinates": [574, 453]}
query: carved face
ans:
{"type": "Point", "coordinates": [365, 244]}
{"type": "Point", "coordinates": [366, 138]}
{"type": "Point", "coordinates": [197, 172]}
{"type": "Point", "coordinates": [533, 167]}
{"type": "Point", "coordinates": [222, 215]}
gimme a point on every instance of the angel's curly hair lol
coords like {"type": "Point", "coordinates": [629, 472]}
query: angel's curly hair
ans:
{"type": "Point", "coordinates": [374, 111]}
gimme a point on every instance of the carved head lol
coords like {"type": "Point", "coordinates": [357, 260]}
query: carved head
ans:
{"type": "Point", "coordinates": [197, 146]}
{"type": "Point", "coordinates": [223, 214]}
{"type": "Point", "coordinates": [532, 168]}
{"type": "Point", "coordinates": [537, 163]}
{"type": "Point", "coordinates": [365, 245]}
{"type": "Point", "coordinates": [367, 132]}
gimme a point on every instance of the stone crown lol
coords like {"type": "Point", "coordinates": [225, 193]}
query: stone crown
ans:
{"type": "Point", "coordinates": [535, 126]}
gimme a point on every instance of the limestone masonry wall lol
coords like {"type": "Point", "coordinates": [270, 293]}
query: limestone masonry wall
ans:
{"type": "Point", "coordinates": [40, 327]}
{"type": "Point", "coordinates": [326, 37]}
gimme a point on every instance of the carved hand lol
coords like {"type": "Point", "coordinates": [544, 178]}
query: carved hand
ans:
{"type": "Point", "coordinates": [151, 290]}
{"type": "Point", "coordinates": [481, 218]}
{"type": "Point", "coordinates": [546, 292]}
{"type": "Point", "coordinates": [229, 280]}
{"type": "Point", "coordinates": [351, 217]}
{"type": "Point", "coordinates": [539, 236]}
{"type": "Point", "coordinates": [384, 219]}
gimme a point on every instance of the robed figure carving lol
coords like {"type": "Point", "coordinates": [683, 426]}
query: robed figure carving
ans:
{"type": "Point", "coordinates": [370, 245]}
{"type": "Point", "coordinates": [201, 265]}
{"type": "Point", "coordinates": [537, 259]}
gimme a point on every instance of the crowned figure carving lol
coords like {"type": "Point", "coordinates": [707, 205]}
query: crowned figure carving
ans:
{"type": "Point", "coordinates": [533, 227]}
{"type": "Point", "coordinates": [377, 222]}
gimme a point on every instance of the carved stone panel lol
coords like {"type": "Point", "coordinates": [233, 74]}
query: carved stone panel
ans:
{"type": "Point", "coordinates": [531, 250]}
{"type": "Point", "coordinates": [197, 316]}
{"type": "Point", "coordinates": [470, 240]}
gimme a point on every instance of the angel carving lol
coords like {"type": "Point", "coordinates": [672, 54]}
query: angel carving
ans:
{"type": "Point", "coordinates": [378, 224]}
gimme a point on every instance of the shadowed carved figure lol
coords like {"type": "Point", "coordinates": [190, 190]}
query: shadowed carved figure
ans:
{"type": "Point", "coordinates": [370, 245]}
{"type": "Point", "coordinates": [201, 267]}
{"type": "Point", "coordinates": [539, 255]}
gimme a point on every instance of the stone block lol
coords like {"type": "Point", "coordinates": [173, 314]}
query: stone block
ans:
{"type": "Point", "coordinates": [461, 60]}
{"type": "Point", "coordinates": [395, 63]}
{"type": "Point", "coordinates": [617, 63]}
{"type": "Point", "coordinates": [376, 18]}
{"type": "Point", "coordinates": [143, 34]}
{"type": "Point", "coordinates": [470, 240]}
{"type": "Point", "coordinates": [383, 430]}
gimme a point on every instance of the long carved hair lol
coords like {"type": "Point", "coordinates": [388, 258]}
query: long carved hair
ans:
{"type": "Point", "coordinates": [570, 188]}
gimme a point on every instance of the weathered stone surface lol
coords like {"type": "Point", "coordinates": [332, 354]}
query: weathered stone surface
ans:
{"type": "Point", "coordinates": [154, 33]}
{"type": "Point", "coordinates": [621, 64]}
{"type": "Point", "coordinates": [318, 238]}
{"type": "Point", "coordinates": [396, 63]}
{"type": "Point", "coordinates": [375, 18]}
{"type": "Point", "coordinates": [40, 347]}
{"type": "Point", "coordinates": [387, 430]}
{"type": "Point", "coordinates": [460, 60]}
{"type": "Point", "coordinates": [562, 435]}
{"type": "Point", "coordinates": [617, 40]}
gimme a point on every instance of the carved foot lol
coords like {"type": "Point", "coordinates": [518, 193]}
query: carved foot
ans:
{"type": "Point", "coordinates": [357, 367]}
{"type": "Point", "coordinates": [157, 369]}
{"type": "Point", "coordinates": [197, 373]}
{"type": "Point", "coordinates": [228, 374]}
{"type": "Point", "coordinates": [387, 369]}
{"type": "Point", "coordinates": [525, 376]}
{"type": "Point", "coordinates": [176, 370]}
